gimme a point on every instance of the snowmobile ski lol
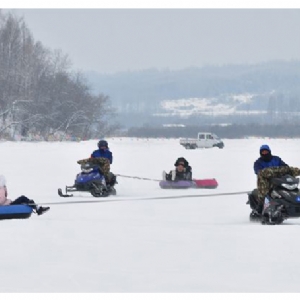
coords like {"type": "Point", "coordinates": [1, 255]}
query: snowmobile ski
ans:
{"type": "Point", "coordinates": [61, 194]}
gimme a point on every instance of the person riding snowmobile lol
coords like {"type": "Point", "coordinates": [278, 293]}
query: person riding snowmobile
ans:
{"type": "Point", "coordinates": [267, 160]}
{"type": "Point", "coordinates": [102, 158]}
{"type": "Point", "coordinates": [266, 167]}
{"type": "Point", "coordinates": [103, 151]}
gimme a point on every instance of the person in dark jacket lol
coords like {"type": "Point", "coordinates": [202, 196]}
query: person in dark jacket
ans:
{"type": "Point", "coordinates": [183, 171]}
{"type": "Point", "coordinates": [266, 160]}
{"type": "Point", "coordinates": [103, 151]}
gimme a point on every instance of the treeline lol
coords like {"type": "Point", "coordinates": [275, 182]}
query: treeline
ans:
{"type": "Point", "coordinates": [235, 131]}
{"type": "Point", "coordinates": [142, 91]}
{"type": "Point", "coordinates": [275, 86]}
{"type": "Point", "coordinates": [40, 94]}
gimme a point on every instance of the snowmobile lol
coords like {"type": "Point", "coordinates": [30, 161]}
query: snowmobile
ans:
{"type": "Point", "coordinates": [90, 180]}
{"type": "Point", "coordinates": [281, 203]}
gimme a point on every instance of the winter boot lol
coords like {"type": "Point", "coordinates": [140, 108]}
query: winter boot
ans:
{"type": "Point", "coordinates": [164, 175]}
{"type": "Point", "coordinates": [173, 175]}
{"type": "Point", "coordinates": [259, 208]}
{"type": "Point", "coordinates": [41, 210]}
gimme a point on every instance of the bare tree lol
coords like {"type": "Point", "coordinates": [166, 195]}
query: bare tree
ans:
{"type": "Point", "coordinates": [39, 93]}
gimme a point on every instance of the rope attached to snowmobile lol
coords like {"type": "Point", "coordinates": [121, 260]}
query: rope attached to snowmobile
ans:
{"type": "Point", "coordinates": [140, 199]}
{"type": "Point", "coordinates": [136, 177]}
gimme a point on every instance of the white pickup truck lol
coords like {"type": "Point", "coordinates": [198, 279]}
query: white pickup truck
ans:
{"type": "Point", "coordinates": [204, 140]}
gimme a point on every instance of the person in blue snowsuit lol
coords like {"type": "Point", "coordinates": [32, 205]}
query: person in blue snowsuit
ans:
{"type": "Point", "coordinates": [103, 151]}
{"type": "Point", "coordinates": [104, 158]}
{"type": "Point", "coordinates": [266, 160]}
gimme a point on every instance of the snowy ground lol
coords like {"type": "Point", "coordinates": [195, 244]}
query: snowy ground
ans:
{"type": "Point", "coordinates": [200, 244]}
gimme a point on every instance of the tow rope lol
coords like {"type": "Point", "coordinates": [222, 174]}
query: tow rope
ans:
{"type": "Point", "coordinates": [137, 177]}
{"type": "Point", "coordinates": [104, 200]}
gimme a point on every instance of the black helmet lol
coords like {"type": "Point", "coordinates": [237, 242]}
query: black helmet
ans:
{"type": "Point", "coordinates": [102, 143]}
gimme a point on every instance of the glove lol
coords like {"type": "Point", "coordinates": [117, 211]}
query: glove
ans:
{"type": "Point", "coordinates": [82, 161]}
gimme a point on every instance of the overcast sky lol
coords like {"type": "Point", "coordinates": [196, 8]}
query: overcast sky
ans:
{"type": "Point", "coordinates": [112, 40]}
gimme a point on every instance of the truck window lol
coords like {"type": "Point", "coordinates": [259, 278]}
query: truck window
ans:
{"type": "Point", "coordinates": [201, 136]}
{"type": "Point", "coordinates": [210, 137]}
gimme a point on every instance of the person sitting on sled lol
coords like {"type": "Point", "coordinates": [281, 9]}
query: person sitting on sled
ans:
{"type": "Point", "coordinates": [20, 200]}
{"type": "Point", "coordinates": [183, 171]}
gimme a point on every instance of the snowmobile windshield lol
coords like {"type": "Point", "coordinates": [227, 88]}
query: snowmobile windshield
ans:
{"type": "Point", "coordinates": [290, 186]}
{"type": "Point", "coordinates": [285, 179]}
{"type": "Point", "coordinates": [87, 168]}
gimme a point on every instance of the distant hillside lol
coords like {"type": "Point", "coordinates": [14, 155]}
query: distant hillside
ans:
{"type": "Point", "coordinates": [239, 93]}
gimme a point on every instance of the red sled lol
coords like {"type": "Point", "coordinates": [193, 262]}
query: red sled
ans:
{"type": "Point", "coordinates": [206, 183]}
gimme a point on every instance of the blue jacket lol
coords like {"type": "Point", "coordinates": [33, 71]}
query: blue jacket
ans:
{"type": "Point", "coordinates": [260, 164]}
{"type": "Point", "coordinates": [103, 153]}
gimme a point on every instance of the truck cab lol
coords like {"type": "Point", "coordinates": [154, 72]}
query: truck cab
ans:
{"type": "Point", "coordinates": [204, 140]}
{"type": "Point", "coordinates": [209, 140]}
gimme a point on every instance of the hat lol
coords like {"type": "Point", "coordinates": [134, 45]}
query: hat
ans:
{"type": "Point", "coordinates": [181, 160]}
{"type": "Point", "coordinates": [264, 147]}
{"type": "Point", "coordinates": [2, 181]}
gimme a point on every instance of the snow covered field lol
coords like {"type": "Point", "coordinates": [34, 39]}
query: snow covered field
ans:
{"type": "Point", "coordinates": [135, 244]}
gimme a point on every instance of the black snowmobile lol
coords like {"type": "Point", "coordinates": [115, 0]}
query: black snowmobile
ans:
{"type": "Point", "coordinates": [91, 180]}
{"type": "Point", "coordinates": [281, 203]}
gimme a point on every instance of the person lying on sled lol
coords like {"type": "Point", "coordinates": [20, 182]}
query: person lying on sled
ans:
{"type": "Point", "coordinates": [20, 200]}
{"type": "Point", "coordinates": [183, 171]}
